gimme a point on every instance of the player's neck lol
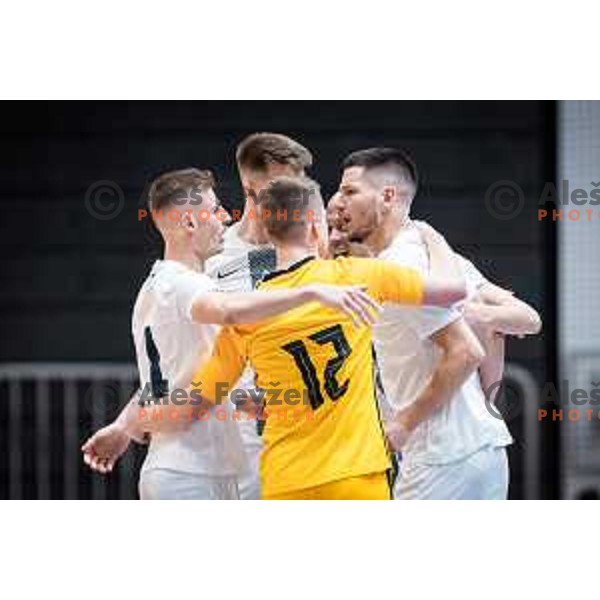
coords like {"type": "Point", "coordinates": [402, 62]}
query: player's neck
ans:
{"type": "Point", "coordinates": [252, 229]}
{"type": "Point", "coordinates": [382, 237]}
{"type": "Point", "coordinates": [183, 255]}
{"type": "Point", "coordinates": [288, 255]}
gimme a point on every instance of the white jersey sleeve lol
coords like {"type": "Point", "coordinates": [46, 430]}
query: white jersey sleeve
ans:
{"type": "Point", "coordinates": [431, 319]}
{"type": "Point", "coordinates": [169, 348]}
{"type": "Point", "coordinates": [408, 250]}
{"type": "Point", "coordinates": [188, 288]}
{"type": "Point", "coordinates": [407, 360]}
{"type": "Point", "coordinates": [473, 276]}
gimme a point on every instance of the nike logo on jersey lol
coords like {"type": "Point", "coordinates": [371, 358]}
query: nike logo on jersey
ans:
{"type": "Point", "coordinates": [222, 275]}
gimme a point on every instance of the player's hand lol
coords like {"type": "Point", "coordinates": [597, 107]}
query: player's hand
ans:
{"type": "Point", "coordinates": [104, 448]}
{"type": "Point", "coordinates": [397, 432]}
{"type": "Point", "coordinates": [353, 300]}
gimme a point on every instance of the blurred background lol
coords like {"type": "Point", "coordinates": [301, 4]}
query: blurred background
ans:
{"type": "Point", "coordinates": [73, 255]}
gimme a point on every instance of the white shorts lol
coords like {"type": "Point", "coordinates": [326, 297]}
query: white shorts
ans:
{"type": "Point", "coordinates": [480, 476]}
{"type": "Point", "coordinates": [249, 481]}
{"type": "Point", "coordinates": [168, 484]}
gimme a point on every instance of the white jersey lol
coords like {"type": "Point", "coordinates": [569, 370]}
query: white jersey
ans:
{"type": "Point", "coordinates": [239, 268]}
{"type": "Point", "coordinates": [407, 358]}
{"type": "Point", "coordinates": [169, 347]}
{"type": "Point", "coordinates": [240, 265]}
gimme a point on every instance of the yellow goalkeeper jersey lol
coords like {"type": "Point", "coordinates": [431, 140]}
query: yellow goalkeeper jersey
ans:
{"type": "Point", "coordinates": [316, 374]}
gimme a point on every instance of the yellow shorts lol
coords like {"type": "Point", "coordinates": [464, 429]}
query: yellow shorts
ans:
{"type": "Point", "coordinates": [375, 486]}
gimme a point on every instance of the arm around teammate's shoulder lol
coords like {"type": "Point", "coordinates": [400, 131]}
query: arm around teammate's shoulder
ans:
{"type": "Point", "coordinates": [405, 285]}
{"type": "Point", "coordinates": [252, 307]}
{"type": "Point", "coordinates": [502, 312]}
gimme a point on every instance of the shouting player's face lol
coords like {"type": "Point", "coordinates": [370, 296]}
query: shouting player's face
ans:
{"type": "Point", "coordinates": [338, 221]}
{"type": "Point", "coordinates": [362, 202]}
{"type": "Point", "coordinates": [337, 226]}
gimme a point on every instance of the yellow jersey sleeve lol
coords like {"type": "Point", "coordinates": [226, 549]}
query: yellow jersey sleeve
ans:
{"type": "Point", "coordinates": [223, 368]}
{"type": "Point", "coordinates": [389, 282]}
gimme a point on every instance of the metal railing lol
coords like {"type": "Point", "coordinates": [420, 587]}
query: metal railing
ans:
{"type": "Point", "coordinates": [47, 411]}
{"type": "Point", "coordinates": [581, 438]}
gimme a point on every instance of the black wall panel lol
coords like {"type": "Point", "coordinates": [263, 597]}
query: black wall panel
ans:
{"type": "Point", "coordinates": [69, 280]}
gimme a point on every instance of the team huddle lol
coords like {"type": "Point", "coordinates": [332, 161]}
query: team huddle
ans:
{"type": "Point", "coordinates": [313, 352]}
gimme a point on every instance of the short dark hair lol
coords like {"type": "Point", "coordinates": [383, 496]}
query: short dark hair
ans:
{"type": "Point", "coordinates": [379, 157]}
{"type": "Point", "coordinates": [257, 151]}
{"type": "Point", "coordinates": [169, 185]}
{"type": "Point", "coordinates": [285, 195]}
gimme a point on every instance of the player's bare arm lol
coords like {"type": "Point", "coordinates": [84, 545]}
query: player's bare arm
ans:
{"type": "Point", "coordinates": [188, 413]}
{"type": "Point", "coordinates": [502, 312]}
{"type": "Point", "coordinates": [443, 291]}
{"type": "Point", "coordinates": [352, 300]}
{"type": "Point", "coordinates": [493, 314]}
{"type": "Point", "coordinates": [405, 285]}
{"type": "Point", "coordinates": [251, 307]}
{"type": "Point", "coordinates": [494, 308]}
{"type": "Point", "coordinates": [443, 259]}
{"type": "Point", "coordinates": [491, 370]}
{"type": "Point", "coordinates": [461, 354]}
{"type": "Point", "coordinates": [102, 450]}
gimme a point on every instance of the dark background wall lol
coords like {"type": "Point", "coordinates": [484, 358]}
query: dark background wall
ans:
{"type": "Point", "coordinates": [69, 280]}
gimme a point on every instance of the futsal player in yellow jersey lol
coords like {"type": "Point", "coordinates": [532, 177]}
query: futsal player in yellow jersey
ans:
{"type": "Point", "coordinates": [323, 437]}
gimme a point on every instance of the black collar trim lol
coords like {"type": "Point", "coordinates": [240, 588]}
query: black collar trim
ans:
{"type": "Point", "coordinates": [290, 269]}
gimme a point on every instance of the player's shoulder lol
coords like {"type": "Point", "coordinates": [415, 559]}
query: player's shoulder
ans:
{"type": "Point", "coordinates": [283, 277]}
{"type": "Point", "coordinates": [468, 268]}
{"type": "Point", "coordinates": [344, 270]}
{"type": "Point", "coordinates": [161, 277]}
{"type": "Point", "coordinates": [175, 271]}
{"type": "Point", "coordinates": [348, 264]}
{"type": "Point", "coordinates": [407, 249]}
{"type": "Point", "coordinates": [169, 279]}
{"type": "Point", "coordinates": [357, 264]}
{"type": "Point", "coordinates": [165, 298]}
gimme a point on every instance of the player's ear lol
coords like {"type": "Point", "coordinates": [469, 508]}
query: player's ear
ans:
{"type": "Point", "coordinates": [389, 196]}
{"type": "Point", "coordinates": [319, 238]}
{"type": "Point", "coordinates": [188, 222]}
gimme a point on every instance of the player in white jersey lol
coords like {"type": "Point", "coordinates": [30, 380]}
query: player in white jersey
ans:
{"type": "Point", "coordinates": [451, 446]}
{"type": "Point", "coordinates": [247, 254]}
{"type": "Point", "coordinates": [173, 330]}
{"type": "Point", "coordinates": [205, 459]}
{"type": "Point", "coordinates": [240, 267]}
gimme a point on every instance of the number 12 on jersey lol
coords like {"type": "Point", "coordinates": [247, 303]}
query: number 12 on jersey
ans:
{"type": "Point", "coordinates": [334, 336]}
